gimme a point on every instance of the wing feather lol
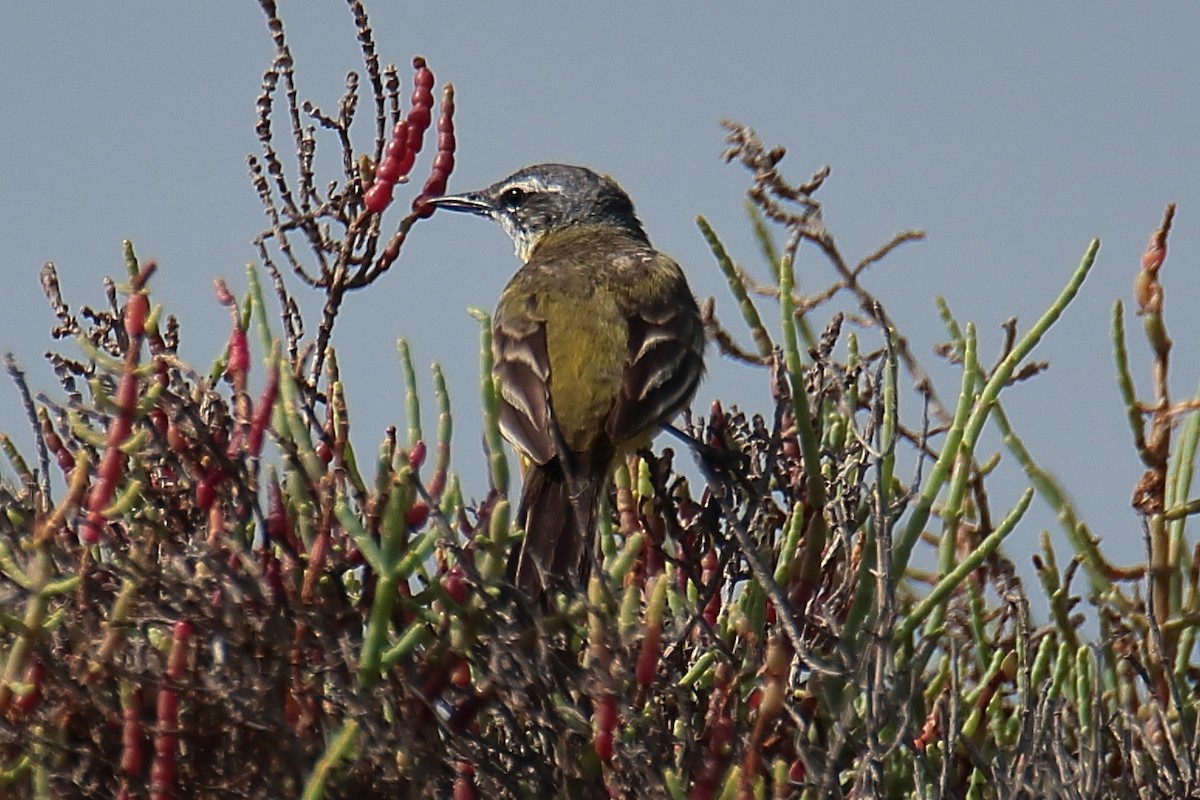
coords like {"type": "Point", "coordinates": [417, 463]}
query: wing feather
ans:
{"type": "Point", "coordinates": [522, 365]}
{"type": "Point", "coordinates": [666, 359]}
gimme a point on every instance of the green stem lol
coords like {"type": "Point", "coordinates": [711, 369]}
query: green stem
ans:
{"type": "Point", "coordinates": [340, 748]}
{"type": "Point", "coordinates": [929, 604]}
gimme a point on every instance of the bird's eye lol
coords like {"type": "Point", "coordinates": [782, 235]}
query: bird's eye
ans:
{"type": "Point", "coordinates": [512, 197]}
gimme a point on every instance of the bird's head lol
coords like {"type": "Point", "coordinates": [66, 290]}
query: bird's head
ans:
{"type": "Point", "coordinates": [548, 198]}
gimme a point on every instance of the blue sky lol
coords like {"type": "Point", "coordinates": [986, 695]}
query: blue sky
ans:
{"type": "Point", "coordinates": [1011, 133]}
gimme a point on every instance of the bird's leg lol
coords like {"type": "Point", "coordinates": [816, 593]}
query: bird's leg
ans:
{"type": "Point", "coordinates": [715, 458]}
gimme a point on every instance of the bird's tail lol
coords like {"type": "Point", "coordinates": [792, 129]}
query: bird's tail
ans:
{"type": "Point", "coordinates": [559, 530]}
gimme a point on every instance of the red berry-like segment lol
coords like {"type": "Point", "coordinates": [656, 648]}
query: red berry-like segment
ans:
{"type": "Point", "coordinates": [407, 138]}
{"type": "Point", "coordinates": [604, 721]}
{"type": "Point", "coordinates": [443, 161]}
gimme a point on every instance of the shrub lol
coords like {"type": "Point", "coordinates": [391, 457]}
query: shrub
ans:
{"type": "Point", "coordinates": [226, 601]}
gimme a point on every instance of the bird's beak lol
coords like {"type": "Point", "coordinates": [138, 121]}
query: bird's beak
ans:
{"type": "Point", "coordinates": [472, 202]}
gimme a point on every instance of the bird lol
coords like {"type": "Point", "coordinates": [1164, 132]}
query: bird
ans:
{"type": "Point", "coordinates": [597, 343]}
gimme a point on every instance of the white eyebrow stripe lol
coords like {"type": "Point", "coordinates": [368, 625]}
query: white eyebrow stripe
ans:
{"type": "Point", "coordinates": [533, 185]}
